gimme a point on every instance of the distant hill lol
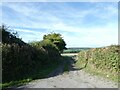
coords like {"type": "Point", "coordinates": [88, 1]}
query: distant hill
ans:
{"type": "Point", "coordinates": [75, 50]}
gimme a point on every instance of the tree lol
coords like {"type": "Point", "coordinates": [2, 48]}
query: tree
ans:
{"type": "Point", "coordinates": [57, 40]}
{"type": "Point", "coordinates": [10, 37]}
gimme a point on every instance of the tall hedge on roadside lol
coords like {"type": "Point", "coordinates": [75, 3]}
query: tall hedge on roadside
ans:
{"type": "Point", "coordinates": [105, 58]}
{"type": "Point", "coordinates": [10, 37]}
{"type": "Point", "coordinates": [19, 59]}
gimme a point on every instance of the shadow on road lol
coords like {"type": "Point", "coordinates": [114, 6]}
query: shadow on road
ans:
{"type": "Point", "coordinates": [68, 64]}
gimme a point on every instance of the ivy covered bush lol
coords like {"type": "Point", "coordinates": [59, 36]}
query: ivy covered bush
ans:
{"type": "Point", "coordinates": [105, 58]}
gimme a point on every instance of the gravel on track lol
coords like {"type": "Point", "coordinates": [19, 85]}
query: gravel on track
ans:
{"type": "Point", "coordinates": [72, 79]}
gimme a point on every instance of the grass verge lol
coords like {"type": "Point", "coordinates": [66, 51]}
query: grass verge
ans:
{"type": "Point", "coordinates": [66, 67]}
{"type": "Point", "coordinates": [67, 64]}
{"type": "Point", "coordinates": [39, 74]}
{"type": "Point", "coordinates": [98, 72]}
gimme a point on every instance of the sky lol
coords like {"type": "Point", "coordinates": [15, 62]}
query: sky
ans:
{"type": "Point", "coordinates": [81, 24]}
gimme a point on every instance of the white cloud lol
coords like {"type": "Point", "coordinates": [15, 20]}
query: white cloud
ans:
{"type": "Point", "coordinates": [37, 17]}
{"type": "Point", "coordinates": [86, 37]}
{"type": "Point", "coordinates": [26, 31]}
{"type": "Point", "coordinates": [30, 35]}
{"type": "Point", "coordinates": [54, 20]}
{"type": "Point", "coordinates": [106, 11]}
{"type": "Point", "coordinates": [93, 37]}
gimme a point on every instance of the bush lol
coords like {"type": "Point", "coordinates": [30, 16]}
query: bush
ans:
{"type": "Point", "coordinates": [17, 60]}
{"type": "Point", "coordinates": [101, 58]}
{"type": "Point", "coordinates": [20, 60]}
{"type": "Point", "coordinates": [48, 47]}
{"type": "Point", "coordinates": [57, 40]}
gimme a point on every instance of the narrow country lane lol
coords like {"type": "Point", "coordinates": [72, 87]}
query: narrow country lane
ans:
{"type": "Point", "coordinates": [74, 78]}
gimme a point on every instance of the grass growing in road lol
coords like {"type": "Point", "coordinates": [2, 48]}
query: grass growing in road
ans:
{"type": "Point", "coordinates": [15, 83]}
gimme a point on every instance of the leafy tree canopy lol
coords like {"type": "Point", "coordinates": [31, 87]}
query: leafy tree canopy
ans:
{"type": "Point", "coordinates": [57, 40]}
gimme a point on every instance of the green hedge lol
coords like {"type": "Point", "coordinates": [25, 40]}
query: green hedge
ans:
{"type": "Point", "coordinates": [101, 58]}
{"type": "Point", "coordinates": [19, 62]}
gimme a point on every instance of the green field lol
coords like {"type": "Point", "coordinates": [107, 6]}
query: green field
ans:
{"type": "Point", "coordinates": [74, 50]}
